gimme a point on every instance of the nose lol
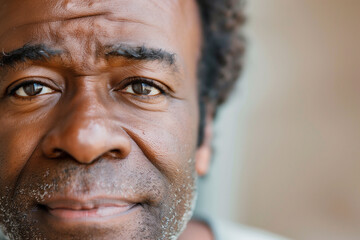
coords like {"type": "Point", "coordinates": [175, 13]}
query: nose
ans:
{"type": "Point", "coordinates": [86, 133]}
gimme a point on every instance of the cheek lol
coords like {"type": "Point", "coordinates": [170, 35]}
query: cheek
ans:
{"type": "Point", "coordinates": [21, 130]}
{"type": "Point", "coordinates": [17, 143]}
{"type": "Point", "coordinates": [168, 139]}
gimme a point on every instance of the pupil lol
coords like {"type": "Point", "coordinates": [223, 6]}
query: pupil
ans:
{"type": "Point", "coordinates": [32, 89]}
{"type": "Point", "coordinates": [141, 88]}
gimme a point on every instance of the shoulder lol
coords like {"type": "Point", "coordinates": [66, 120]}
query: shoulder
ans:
{"type": "Point", "coordinates": [226, 230]}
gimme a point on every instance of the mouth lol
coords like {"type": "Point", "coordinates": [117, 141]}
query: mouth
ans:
{"type": "Point", "coordinates": [88, 210]}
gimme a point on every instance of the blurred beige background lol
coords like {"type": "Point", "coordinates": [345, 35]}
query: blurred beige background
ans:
{"type": "Point", "coordinates": [288, 143]}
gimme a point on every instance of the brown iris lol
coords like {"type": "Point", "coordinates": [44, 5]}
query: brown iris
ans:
{"type": "Point", "coordinates": [141, 88]}
{"type": "Point", "coordinates": [32, 89]}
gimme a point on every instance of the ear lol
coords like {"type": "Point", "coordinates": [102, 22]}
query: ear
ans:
{"type": "Point", "coordinates": [204, 151]}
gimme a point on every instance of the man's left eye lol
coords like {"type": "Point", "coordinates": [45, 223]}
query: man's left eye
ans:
{"type": "Point", "coordinates": [141, 88]}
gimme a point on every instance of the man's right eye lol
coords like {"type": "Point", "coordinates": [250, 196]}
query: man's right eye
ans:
{"type": "Point", "coordinates": [31, 89]}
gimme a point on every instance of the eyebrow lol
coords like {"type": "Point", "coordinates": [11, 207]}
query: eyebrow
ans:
{"type": "Point", "coordinates": [27, 52]}
{"type": "Point", "coordinates": [141, 53]}
{"type": "Point", "coordinates": [43, 52]}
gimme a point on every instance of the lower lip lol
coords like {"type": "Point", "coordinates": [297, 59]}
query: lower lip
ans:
{"type": "Point", "coordinates": [101, 212]}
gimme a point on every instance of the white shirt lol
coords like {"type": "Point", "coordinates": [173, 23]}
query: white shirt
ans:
{"type": "Point", "coordinates": [226, 230]}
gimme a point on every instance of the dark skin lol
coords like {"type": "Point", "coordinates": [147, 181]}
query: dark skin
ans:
{"type": "Point", "coordinates": [99, 119]}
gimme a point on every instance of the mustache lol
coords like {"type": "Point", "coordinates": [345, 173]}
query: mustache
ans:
{"type": "Point", "coordinates": [101, 179]}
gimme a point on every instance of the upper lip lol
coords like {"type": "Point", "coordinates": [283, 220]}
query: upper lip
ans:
{"type": "Point", "coordinates": [86, 203]}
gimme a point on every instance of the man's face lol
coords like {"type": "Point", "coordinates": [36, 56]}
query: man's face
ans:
{"type": "Point", "coordinates": [99, 118]}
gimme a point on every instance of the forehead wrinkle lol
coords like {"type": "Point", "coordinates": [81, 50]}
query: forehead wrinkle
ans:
{"type": "Point", "coordinates": [62, 10]}
{"type": "Point", "coordinates": [70, 15]}
{"type": "Point", "coordinates": [64, 20]}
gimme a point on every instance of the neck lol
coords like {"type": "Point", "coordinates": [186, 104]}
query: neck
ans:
{"type": "Point", "coordinates": [197, 230]}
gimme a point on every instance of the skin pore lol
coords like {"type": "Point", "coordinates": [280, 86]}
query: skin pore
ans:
{"type": "Point", "coordinates": [99, 118]}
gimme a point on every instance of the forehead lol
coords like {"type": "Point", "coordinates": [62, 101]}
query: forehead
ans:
{"type": "Point", "coordinates": [170, 24]}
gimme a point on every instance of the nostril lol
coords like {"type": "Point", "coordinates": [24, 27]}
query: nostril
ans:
{"type": "Point", "coordinates": [115, 153]}
{"type": "Point", "coordinates": [57, 153]}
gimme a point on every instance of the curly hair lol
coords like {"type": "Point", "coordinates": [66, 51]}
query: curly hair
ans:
{"type": "Point", "coordinates": [222, 51]}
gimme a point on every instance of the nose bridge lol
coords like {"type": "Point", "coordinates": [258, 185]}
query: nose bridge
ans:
{"type": "Point", "coordinates": [85, 131]}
